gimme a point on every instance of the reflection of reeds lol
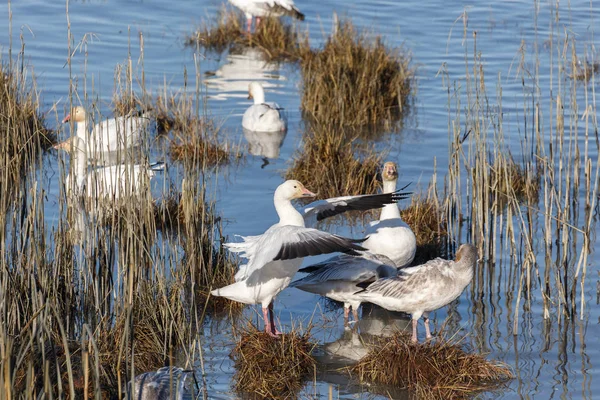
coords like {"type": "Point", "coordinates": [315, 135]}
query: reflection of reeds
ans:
{"type": "Point", "coordinates": [438, 370]}
{"type": "Point", "coordinates": [276, 40]}
{"type": "Point", "coordinates": [355, 80]}
{"type": "Point", "coordinates": [334, 166]}
{"type": "Point", "coordinates": [272, 368]}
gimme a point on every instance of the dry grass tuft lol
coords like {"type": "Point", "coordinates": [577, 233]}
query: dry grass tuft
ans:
{"type": "Point", "coordinates": [584, 71]}
{"type": "Point", "coordinates": [356, 81]}
{"type": "Point", "coordinates": [438, 370]}
{"type": "Point", "coordinates": [278, 41]}
{"type": "Point", "coordinates": [272, 368]}
{"type": "Point", "coordinates": [332, 165]}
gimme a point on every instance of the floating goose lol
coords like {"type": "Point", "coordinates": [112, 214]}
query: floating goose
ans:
{"type": "Point", "coordinates": [275, 256]}
{"type": "Point", "coordinates": [110, 182]}
{"type": "Point", "coordinates": [390, 235]}
{"type": "Point", "coordinates": [167, 383]}
{"type": "Point", "coordinates": [424, 288]}
{"type": "Point", "coordinates": [108, 136]}
{"type": "Point", "coordinates": [338, 277]}
{"type": "Point", "coordinates": [266, 8]}
{"type": "Point", "coordinates": [261, 116]}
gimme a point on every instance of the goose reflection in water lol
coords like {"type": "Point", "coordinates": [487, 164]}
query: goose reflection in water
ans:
{"type": "Point", "coordinates": [264, 144]}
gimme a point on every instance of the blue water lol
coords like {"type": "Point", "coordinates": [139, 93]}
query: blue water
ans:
{"type": "Point", "coordinates": [551, 358]}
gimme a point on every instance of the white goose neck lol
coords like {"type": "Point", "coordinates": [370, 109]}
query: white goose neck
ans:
{"type": "Point", "coordinates": [258, 94]}
{"type": "Point", "coordinates": [81, 130]}
{"type": "Point", "coordinates": [79, 163]}
{"type": "Point", "coordinates": [389, 211]}
{"type": "Point", "coordinates": [288, 215]}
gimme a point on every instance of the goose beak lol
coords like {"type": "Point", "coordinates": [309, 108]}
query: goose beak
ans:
{"type": "Point", "coordinates": [307, 193]}
{"type": "Point", "coordinates": [66, 119]}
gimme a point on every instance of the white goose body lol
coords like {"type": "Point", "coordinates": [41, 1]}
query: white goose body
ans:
{"type": "Point", "coordinates": [108, 136]}
{"type": "Point", "coordinates": [262, 116]}
{"type": "Point", "coordinates": [424, 288]}
{"type": "Point", "coordinates": [266, 8]}
{"type": "Point", "coordinates": [390, 235]}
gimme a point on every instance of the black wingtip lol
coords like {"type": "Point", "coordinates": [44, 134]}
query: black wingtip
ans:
{"type": "Point", "coordinates": [299, 15]}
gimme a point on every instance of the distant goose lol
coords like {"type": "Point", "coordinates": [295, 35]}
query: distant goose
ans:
{"type": "Point", "coordinates": [338, 277]}
{"type": "Point", "coordinates": [261, 116]}
{"type": "Point", "coordinates": [266, 8]}
{"type": "Point", "coordinates": [424, 288]}
{"type": "Point", "coordinates": [167, 383]}
{"type": "Point", "coordinates": [390, 235]}
{"type": "Point", "coordinates": [110, 135]}
{"type": "Point", "coordinates": [110, 182]}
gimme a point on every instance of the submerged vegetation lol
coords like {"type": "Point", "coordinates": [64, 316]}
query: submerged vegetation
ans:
{"type": "Point", "coordinates": [437, 370]}
{"type": "Point", "coordinates": [272, 368]}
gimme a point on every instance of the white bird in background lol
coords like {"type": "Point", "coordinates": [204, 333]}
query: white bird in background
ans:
{"type": "Point", "coordinates": [261, 116]}
{"type": "Point", "coordinates": [105, 183]}
{"type": "Point", "coordinates": [275, 256]}
{"type": "Point", "coordinates": [424, 288]}
{"type": "Point", "coordinates": [108, 136]}
{"type": "Point", "coordinates": [266, 8]}
{"type": "Point", "coordinates": [338, 277]}
{"type": "Point", "coordinates": [390, 235]}
{"type": "Point", "coordinates": [167, 383]}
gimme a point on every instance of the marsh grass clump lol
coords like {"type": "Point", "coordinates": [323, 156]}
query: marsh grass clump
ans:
{"type": "Point", "coordinates": [436, 370]}
{"type": "Point", "coordinates": [272, 368]}
{"type": "Point", "coordinates": [584, 71]}
{"type": "Point", "coordinates": [335, 166]}
{"type": "Point", "coordinates": [509, 179]}
{"type": "Point", "coordinates": [276, 40]}
{"type": "Point", "coordinates": [356, 80]}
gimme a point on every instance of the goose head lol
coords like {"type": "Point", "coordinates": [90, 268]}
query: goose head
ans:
{"type": "Point", "coordinates": [466, 255]}
{"type": "Point", "coordinates": [389, 172]}
{"type": "Point", "coordinates": [256, 92]}
{"type": "Point", "coordinates": [292, 189]}
{"type": "Point", "coordinates": [77, 114]}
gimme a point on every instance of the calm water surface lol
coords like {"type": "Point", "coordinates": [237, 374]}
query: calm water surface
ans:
{"type": "Point", "coordinates": [552, 358]}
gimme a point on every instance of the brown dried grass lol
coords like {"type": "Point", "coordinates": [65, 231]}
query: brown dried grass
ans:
{"type": "Point", "coordinates": [272, 368]}
{"type": "Point", "coordinates": [356, 81]}
{"type": "Point", "coordinates": [436, 370]}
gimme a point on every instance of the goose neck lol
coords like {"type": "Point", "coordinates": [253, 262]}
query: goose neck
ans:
{"type": "Point", "coordinates": [288, 215]}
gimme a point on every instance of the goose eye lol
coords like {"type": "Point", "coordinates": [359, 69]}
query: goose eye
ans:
{"type": "Point", "coordinates": [295, 186]}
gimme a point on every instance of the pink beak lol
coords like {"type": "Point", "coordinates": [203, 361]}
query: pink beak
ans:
{"type": "Point", "coordinates": [67, 118]}
{"type": "Point", "coordinates": [307, 193]}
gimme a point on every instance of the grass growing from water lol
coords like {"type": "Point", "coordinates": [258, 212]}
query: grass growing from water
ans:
{"type": "Point", "coordinates": [272, 368]}
{"type": "Point", "coordinates": [437, 370]}
{"type": "Point", "coordinates": [278, 41]}
{"type": "Point", "coordinates": [356, 80]}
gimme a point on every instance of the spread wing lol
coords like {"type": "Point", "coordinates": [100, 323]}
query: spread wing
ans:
{"type": "Point", "coordinates": [319, 210]}
{"type": "Point", "coordinates": [289, 242]}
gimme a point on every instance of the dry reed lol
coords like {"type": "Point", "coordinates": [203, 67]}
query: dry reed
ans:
{"type": "Point", "coordinates": [272, 368]}
{"type": "Point", "coordinates": [356, 81]}
{"type": "Point", "coordinates": [437, 370]}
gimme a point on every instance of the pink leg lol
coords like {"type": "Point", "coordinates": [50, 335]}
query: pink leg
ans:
{"type": "Point", "coordinates": [272, 319]}
{"type": "Point", "coordinates": [427, 331]}
{"type": "Point", "coordinates": [414, 339]}
{"type": "Point", "coordinates": [346, 314]}
{"type": "Point", "coordinates": [249, 25]}
{"type": "Point", "coordinates": [355, 314]}
{"type": "Point", "coordinates": [268, 326]}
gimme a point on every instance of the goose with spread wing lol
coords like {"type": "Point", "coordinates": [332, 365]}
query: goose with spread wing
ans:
{"type": "Point", "coordinates": [424, 288]}
{"type": "Point", "coordinates": [166, 383]}
{"type": "Point", "coordinates": [339, 277]}
{"type": "Point", "coordinates": [275, 256]}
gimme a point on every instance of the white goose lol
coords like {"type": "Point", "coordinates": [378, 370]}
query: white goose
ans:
{"type": "Point", "coordinates": [275, 256]}
{"type": "Point", "coordinates": [339, 277]}
{"type": "Point", "coordinates": [390, 235]}
{"type": "Point", "coordinates": [424, 288]}
{"type": "Point", "coordinates": [266, 8]}
{"type": "Point", "coordinates": [110, 182]}
{"type": "Point", "coordinates": [110, 135]}
{"type": "Point", "coordinates": [261, 116]}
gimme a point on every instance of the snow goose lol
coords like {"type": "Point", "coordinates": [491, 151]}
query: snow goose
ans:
{"type": "Point", "coordinates": [261, 116]}
{"type": "Point", "coordinates": [266, 8]}
{"type": "Point", "coordinates": [275, 256]}
{"type": "Point", "coordinates": [166, 383]}
{"type": "Point", "coordinates": [110, 182]}
{"type": "Point", "coordinates": [390, 235]}
{"type": "Point", "coordinates": [110, 135]}
{"type": "Point", "coordinates": [338, 277]}
{"type": "Point", "coordinates": [424, 288]}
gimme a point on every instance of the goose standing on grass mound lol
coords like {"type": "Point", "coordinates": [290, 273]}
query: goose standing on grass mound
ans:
{"type": "Point", "coordinates": [110, 182]}
{"type": "Point", "coordinates": [110, 135]}
{"type": "Point", "coordinates": [424, 288]}
{"type": "Point", "coordinates": [266, 8]}
{"type": "Point", "coordinates": [339, 276]}
{"type": "Point", "coordinates": [390, 235]}
{"type": "Point", "coordinates": [261, 116]}
{"type": "Point", "coordinates": [275, 256]}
